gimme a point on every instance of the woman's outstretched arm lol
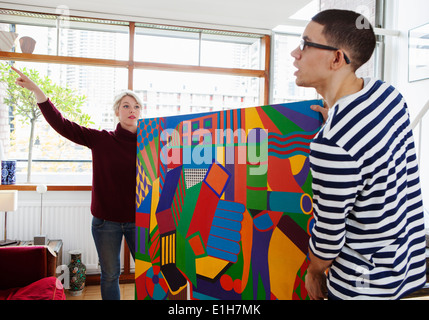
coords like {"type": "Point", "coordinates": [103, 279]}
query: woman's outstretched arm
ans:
{"type": "Point", "coordinates": [25, 82]}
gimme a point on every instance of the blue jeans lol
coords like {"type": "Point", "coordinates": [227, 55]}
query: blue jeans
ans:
{"type": "Point", "coordinates": [108, 239]}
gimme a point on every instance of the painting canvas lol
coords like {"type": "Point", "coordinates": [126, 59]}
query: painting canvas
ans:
{"type": "Point", "coordinates": [224, 204]}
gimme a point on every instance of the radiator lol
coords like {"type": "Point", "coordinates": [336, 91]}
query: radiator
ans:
{"type": "Point", "coordinates": [70, 222]}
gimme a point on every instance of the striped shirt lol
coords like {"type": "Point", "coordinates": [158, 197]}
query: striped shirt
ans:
{"type": "Point", "coordinates": [368, 208]}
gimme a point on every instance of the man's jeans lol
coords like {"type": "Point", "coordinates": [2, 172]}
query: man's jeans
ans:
{"type": "Point", "coordinates": [108, 239]}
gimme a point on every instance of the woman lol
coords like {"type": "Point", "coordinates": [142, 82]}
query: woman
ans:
{"type": "Point", "coordinates": [114, 174]}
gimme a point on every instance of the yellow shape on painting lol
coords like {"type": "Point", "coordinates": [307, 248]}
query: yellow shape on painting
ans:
{"type": "Point", "coordinates": [141, 267]}
{"type": "Point", "coordinates": [285, 260]}
{"type": "Point", "coordinates": [154, 204]}
{"type": "Point", "coordinates": [220, 155]}
{"type": "Point", "coordinates": [210, 267]}
{"type": "Point", "coordinates": [252, 119]}
{"type": "Point", "coordinates": [296, 163]}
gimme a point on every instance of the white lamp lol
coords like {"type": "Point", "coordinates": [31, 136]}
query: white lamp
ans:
{"type": "Point", "coordinates": [8, 202]}
{"type": "Point", "coordinates": [41, 239]}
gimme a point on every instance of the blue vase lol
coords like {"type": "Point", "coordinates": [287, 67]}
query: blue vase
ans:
{"type": "Point", "coordinates": [8, 172]}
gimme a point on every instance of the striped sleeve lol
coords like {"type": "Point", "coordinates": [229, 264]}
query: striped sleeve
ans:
{"type": "Point", "coordinates": [337, 181]}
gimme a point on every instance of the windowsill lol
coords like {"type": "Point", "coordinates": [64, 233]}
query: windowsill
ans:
{"type": "Point", "coordinates": [32, 187]}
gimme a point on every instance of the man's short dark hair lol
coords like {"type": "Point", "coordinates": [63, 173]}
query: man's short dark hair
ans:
{"type": "Point", "coordinates": [348, 30]}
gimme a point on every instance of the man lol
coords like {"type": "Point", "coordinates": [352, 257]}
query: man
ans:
{"type": "Point", "coordinates": [369, 227]}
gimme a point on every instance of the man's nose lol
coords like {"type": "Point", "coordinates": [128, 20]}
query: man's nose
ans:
{"type": "Point", "coordinates": [295, 53]}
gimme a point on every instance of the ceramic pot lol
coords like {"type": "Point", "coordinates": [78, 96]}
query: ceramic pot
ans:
{"type": "Point", "coordinates": [27, 44]}
{"type": "Point", "coordinates": [77, 273]}
{"type": "Point", "coordinates": [8, 172]}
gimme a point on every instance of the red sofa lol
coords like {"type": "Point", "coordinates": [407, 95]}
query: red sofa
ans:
{"type": "Point", "coordinates": [28, 273]}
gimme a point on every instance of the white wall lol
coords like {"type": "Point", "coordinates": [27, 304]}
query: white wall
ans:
{"type": "Point", "coordinates": [403, 15]}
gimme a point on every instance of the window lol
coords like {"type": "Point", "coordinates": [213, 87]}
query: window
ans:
{"type": "Point", "coordinates": [175, 70]}
{"type": "Point", "coordinates": [230, 51]}
{"type": "Point", "coordinates": [54, 155]}
{"type": "Point", "coordinates": [166, 46]}
{"type": "Point", "coordinates": [187, 46]}
{"type": "Point", "coordinates": [286, 39]}
{"type": "Point", "coordinates": [94, 40]}
{"type": "Point", "coordinates": [171, 93]}
{"type": "Point", "coordinates": [284, 88]}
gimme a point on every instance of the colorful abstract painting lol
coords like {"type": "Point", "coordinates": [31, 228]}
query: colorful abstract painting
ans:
{"type": "Point", "coordinates": [224, 204]}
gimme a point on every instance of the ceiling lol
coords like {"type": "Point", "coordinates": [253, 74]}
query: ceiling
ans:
{"type": "Point", "coordinates": [232, 14]}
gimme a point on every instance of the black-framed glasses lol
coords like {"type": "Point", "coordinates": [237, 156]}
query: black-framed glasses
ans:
{"type": "Point", "coordinates": [305, 43]}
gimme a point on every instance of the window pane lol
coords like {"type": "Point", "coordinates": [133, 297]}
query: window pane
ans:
{"type": "Point", "coordinates": [162, 46]}
{"type": "Point", "coordinates": [39, 35]}
{"type": "Point", "coordinates": [171, 93]}
{"type": "Point", "coordinates": [34, 35]}
{"type": "Point", "coordinates": [90, 40]}
{"type": "Point", "coordinates": [230, 52]}
{"type": "Point", "coordinates": [284, 86]}
{"type": "Point", "coordinates": [56, 159]}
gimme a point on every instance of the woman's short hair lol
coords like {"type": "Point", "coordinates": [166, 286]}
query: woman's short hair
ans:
{"type": "Point", "coordinates": [348, 30]}
{"type": "Point", "coordinates": [121, 95]}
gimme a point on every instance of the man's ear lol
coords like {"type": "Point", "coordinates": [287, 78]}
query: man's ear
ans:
{"type": "Point", "coordinates": [339, 60]}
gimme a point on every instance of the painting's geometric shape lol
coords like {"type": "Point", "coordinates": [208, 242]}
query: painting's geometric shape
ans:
{"type": "Point", "coordinates": [204, 213]}
{"type": "Point", "coordinates": [207, 202]}
{"type": "Point", "coordinates": [210, 267]}
{"type": "Point", "coordinates": [165, 221]}
{"type": "Point", "coordinates": [174, 278]}
{"type": "Point", "coordinates": [197, 245]}
{"type": "Point", "coordinates": [141, 267]}
{"type": "Point", "coordinates": [142, 220]}
{"type": "Point", "coordinates": [217, 178]}
{"type": "Point", "coordinates": [285, 259]}
{"type": "Point", "coordinates": [223, 203]}
{"type": "Point", "coordinates": [143, 211]}
{"type": "Point", "coordinates": [290, 202]}
{"type": "Point", "coordinates": [223, 241]}
{"type": "Point", "coordinates": [295, 233]}
{"type": "Point", "coordinates": [154, 204]}
{"type": "Point", "coordinates": [263, 222]}
{"type": "Point", "coordinates": [150, 284]}
{"type": "Point", "coordinates": [156, 286]}
{"type": "Point", "coordinates": [169, 189]}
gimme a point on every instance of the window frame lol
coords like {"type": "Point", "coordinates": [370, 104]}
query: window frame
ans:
{"type": "Point", "coordinates": [263, 74]}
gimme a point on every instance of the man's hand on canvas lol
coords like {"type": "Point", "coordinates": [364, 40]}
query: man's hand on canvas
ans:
{"type": "Point", "coordinates": [323, 110]}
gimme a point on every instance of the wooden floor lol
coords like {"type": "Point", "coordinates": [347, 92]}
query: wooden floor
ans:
{"type": "Point", "coordinates": [93, 293]}
{"type": "Point", "coordinates": [128, 293]}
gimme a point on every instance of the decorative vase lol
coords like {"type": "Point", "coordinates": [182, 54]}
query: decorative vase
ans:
{"type": "Point", "coordinates": [8, 172]}
{"type": "Point", "coordinates": [7, 40]}
{"type": "Point", "coordinates": [77, 273]}
{"type": "Point", "coordinates": [27, 44]}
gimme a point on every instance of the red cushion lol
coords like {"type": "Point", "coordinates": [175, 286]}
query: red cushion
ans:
{"type": "Point", "coordinates": [21, 266]}
{"type": "Point", "coordinates": [49, 288]}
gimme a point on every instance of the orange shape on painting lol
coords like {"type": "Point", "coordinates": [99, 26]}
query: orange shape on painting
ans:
{"type": "Point", "coordinates": [197, 245]}
{"type": "Point", "coordinates": [217, 178]}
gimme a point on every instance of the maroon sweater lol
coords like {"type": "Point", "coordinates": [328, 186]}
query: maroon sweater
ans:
{"type": "Point", "coordinates": [113, 164]}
